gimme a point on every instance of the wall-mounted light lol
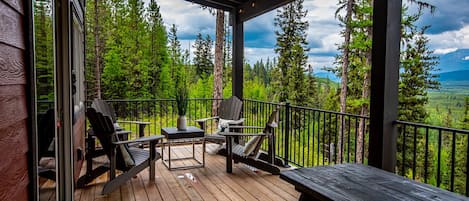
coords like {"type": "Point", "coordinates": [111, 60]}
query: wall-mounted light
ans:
{"type": "Point", "coordinates": [253, 4]}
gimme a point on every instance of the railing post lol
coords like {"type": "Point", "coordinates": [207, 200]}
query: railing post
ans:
{"type": "Point", "coordinates": [287, 135]}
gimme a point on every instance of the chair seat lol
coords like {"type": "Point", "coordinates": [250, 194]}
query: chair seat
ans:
{"type": "Point", "coordinates": [219, 139]}
{"type": "Point", "coordinates": [141, 155]}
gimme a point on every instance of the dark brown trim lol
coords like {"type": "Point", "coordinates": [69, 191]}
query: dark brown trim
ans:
{"type": "Point", "coordinates": [214, 4]}
{"type": "Point", "coordinates": [31, 99]}
{"type": "Point", "coordinates": [252, 9]}
{"type": "Point", "coordinates": [384, 83]}
{"type": "Point", "coordinates": [238, 55]}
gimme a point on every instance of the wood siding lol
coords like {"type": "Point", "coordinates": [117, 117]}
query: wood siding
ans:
{"type": "Point", "coordinates": [13, 103]}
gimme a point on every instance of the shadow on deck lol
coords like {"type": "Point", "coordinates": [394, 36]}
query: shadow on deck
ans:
{"type": "Point", "coordinates": [209, 183]}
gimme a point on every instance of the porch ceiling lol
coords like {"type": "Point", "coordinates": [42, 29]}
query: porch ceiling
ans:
{"type": "Point", "coordinates": [245, 9]}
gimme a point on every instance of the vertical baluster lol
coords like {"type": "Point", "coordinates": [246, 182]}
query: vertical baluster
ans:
{"type": "Point", "coordinates": [403, 149]}
{"type": "Point", "coordinates": [356, 139]}
{"type": "Point", "coordinates": [348, 139]}
{"type": "Point", "coordinates": [414, 162]}
{"type": "Point", "coordinates": [287, 128]}
{"type": "Point", "coordinates": [438, 171]}
{"type": "Point", "coordinates": [319, 137]}
{"type": "Point", "coordinates": [453, 159]}
{"type": "Point", "coordinates": [303, 133]}
{"type": "Point", "coordinates": [323, 137]}
{"type": "Point", "coordinates": [342, 123]}
{"type": "Point", "coordinates": [467, 165]}
{"type": "Point", "coordinates": [308, 133]}
{"type": "Point", "coordinates": [336, 138]}
{"type": "Point", "coordinates": [426, 156]}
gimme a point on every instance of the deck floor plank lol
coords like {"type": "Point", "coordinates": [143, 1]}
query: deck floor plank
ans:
{"type": "Point", "coordinates": [209, 183]}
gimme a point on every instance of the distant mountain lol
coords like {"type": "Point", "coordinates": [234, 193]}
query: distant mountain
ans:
{"type": "Point", "coordinates": [454, 61]}
{"type": "Point", "coordinates": [461, 75]}
{"type": "Point", "coordinates": [329, 75]}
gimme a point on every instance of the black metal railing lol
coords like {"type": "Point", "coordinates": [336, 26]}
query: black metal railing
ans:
{"type": "Point", "coordinates": [434, 155]}
{"type": "Point", "coordinates": [307, 137]}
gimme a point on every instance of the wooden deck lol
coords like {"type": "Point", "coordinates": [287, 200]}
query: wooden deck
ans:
{"type": "Point", "coordinates": [209, 183]}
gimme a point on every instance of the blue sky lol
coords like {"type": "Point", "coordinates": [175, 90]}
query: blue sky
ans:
{"type": "Point", "coordinates": [449, 31]}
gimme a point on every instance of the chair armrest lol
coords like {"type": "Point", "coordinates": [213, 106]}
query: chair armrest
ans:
{"type": "Point", "coordinates": [247, 127]}
{"type": "Point", "coordinates": [142, 139]}
{"type": "Point", "coordinates": [135, 122]}
{"type": "Point", "coordinates": [123, 132]}
{"type": "Point", "coordinates": [233, 134]}
{"type": "Point", "coordinates": [206, 119]}
{"type": "Point", "coordinates": [236, 122]}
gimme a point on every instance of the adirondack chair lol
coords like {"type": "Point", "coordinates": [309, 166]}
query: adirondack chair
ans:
{"type": "Point", "coordinates": [229, 114]}
{"type": "Point", "coordinates": [46, 137]}
{"type": "Point", "coordinates": [250, 153]}
{"type": "Point", "coordinates": [107, 110]}
{"type": "Point", "coordinates": [130, 160]}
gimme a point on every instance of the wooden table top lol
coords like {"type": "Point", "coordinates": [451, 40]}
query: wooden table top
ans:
{"type": "Point", "coordinates": [361, 182]}
{"type": "Point", "coordinates": [174, 133]}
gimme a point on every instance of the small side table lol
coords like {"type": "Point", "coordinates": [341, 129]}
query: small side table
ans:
{"type": "Point", "coordinates": [174, 136]}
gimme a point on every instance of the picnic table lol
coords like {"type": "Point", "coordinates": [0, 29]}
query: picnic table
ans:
{"type": "Point", "coordinates": [360, 182]}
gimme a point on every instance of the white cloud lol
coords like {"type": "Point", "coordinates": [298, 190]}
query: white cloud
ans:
{"type": "Point", "coordinates": [445, 50]}
{"type": "Point", "coordinates": [253, 54]}
{"type": "Point", "coordinates": [319, 62]}
{"type": "Point", "coordinates": [449, 40]}
{"type": "Point", "coordinates": [466, 58]}
{"type": "Point", "coordinates": [189, 18]}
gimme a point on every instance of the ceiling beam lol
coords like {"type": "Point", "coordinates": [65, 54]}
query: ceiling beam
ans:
{"type": "Point", "coordinates": [215, 4]}
{"type": "Point", "coordinates": [254, 8]}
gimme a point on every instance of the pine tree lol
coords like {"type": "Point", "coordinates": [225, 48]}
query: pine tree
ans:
{"type": "Point", "coordinates": [158, 55]}
{"type": "Point", "coordinates": [417, 65]}
{"type": "Point", "coordinates": [44, 50]}
{"type": "Point", "coordinates": [219, 63]}
{"type": "Point", "coordinates": [292, 47]}
{"type": "Point", "coordinates": [203, 56]}
{"type": "Point", "coordinates": [348, 6]}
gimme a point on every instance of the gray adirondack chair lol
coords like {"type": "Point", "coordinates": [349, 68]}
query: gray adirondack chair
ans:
{"type": "Point", "coordinates": [130, 160]}
{"type": "Point", "coordinates": [230, 112]}
{"type": "Point", "coordinates": [250, 153]}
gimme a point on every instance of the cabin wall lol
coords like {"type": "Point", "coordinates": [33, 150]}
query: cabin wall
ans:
{"type": "Point", "coordinates": [13, 103]}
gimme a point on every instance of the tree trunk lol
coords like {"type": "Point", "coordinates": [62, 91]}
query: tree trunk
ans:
{"type": "Point", "coordinates": [343, 84]}
{"type": "Point", "coordinates": [365, 95]}
{"type": "Point", "coordinates": [218, 67]}
{"type": "Point", "coordinates": [97, 58]}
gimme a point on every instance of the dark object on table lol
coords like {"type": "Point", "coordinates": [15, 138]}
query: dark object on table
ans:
{"type": "Point", "coordinates": [360, 182]}
{"type": "Point", "coordinates": [249, 153]}
{"type": "Point", "coordinates": [130, 160]}
{"type": "Point", "coordinates": [229, 114]}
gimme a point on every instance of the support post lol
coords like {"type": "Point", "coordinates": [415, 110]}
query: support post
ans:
{"type": "Point", "coordinates": [237, 54]}
{"type": "Point", "coordinates": [384, 83]}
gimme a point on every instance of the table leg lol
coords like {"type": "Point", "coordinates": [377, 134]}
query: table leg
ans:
{"type": "Point", "coordinates": [193, 148]}
{"type": "Point", "coordinates": [169, 154]}
{"type": "Point", "coordinates": [152, 160]}
{"type": "Point", "coordinates": [229, 155]}
{"type": "Point", "coordinates": [203, 152]}
{"type": "Point", "coordinates": [141, 130]}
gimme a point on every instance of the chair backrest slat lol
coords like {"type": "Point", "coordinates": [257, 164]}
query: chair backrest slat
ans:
{"type": "Point", "coordinates": [103, 129]}
{"type": "Point", "coordinates": [268, 130]}
{"type": "Point", "coordinates": [104, 108]}
{"type": "Point", "coordinates": [231, 108]}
